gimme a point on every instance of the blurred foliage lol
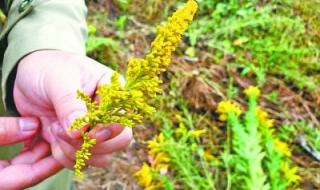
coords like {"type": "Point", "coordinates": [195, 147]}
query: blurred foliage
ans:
{"type": "Point", "coordinates": [104, 49]}
{"type": "Point", "coordinates": [310, 132]}
{"type": "Point", "coordinates": [184, 156]}
{"type": "Point", "coordinates": [260, 37]}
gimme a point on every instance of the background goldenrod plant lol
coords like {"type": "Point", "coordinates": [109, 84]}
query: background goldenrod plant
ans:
{"type": "Point", "coordinates": [247, 154]}
{"type": "Point", "coordinates": [128, 104]}
{"type": "Point", "coordinates": [257, 159]}
{"type": "Point", "coordinates": [281, 173]}
{"type": "Point", "coordinates": [176, 149]}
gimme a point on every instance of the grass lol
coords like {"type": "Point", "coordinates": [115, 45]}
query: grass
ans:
{"type": "Point", "coordinates": [260, 38]}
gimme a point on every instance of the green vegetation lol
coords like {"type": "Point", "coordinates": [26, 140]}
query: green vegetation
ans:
{"type": "Point", "coordinates": [260, 37]}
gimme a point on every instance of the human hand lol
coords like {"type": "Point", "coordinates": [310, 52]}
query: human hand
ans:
{"type": "Point", "coordinates": [46, 86]}
{"type": "Point", "coordinates": [32, 165]}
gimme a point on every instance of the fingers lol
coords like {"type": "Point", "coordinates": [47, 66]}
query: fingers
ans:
{"type": "Point", "coordinates": [95, 73]}
{"type": "Point", "coordinates": [62, 91]}
{"type": "Point", "coordinates": [100, 161]}
{"type": "Point", "coordinates": [117, 143]}
{"type": "Point", "coordinates": [60, 156]}
{"type": "Point", "coordinates": [100, 132]}
{"type": "Point", "coordinates": [68, 150]}
{"type": "Point", "coordinates": [65, 151]}
{"type": "Point", "coordinates": [102, 153]}
{"type": "Point", "coordinates": [57, 151]}
{"type": "Point", "coordinates": [28, 168]}
{"type": "Point", "coordinates": [104, 132]}
{"type": "Point", "coordinates": [40, 150]}
{"type": "Point", "coordinates": [21, 176]}
{"type": "Point", "coordinates": [13, 130]}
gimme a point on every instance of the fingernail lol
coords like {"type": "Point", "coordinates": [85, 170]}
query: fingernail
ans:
{"type": "Point", "coordinates": [102, 134]}
{"type": "Point", "coordinates": [28, 124]}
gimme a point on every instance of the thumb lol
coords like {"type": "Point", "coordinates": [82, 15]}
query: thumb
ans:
{"type": "Point", "coordinates": [62, 92]}
{"type": "Point", "coordinates": [13, 130]}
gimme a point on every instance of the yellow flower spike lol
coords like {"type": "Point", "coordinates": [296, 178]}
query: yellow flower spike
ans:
{"type": "Point", "coordinates": [144, 175]}
{"type": "Point", "coordinates": [155, 145]}
{"type": "Point", "coordinates": [128, 104]}
{"type": "Point", "coordinates": [252, 91]}
{"type": "Point", "coordinates": [264, 118]}
{"type": "Point", "coordinates": [83, 154]}
{"type": "Point", "coordinates": [161, 161]}
{"type": "Point", "coordinates": [226, 107]}
{"type": "Point", "coordinates": [282, 147]}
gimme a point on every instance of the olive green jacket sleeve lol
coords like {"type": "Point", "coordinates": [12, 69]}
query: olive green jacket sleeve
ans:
{"type": "Point", "coordinates": [34, 25]}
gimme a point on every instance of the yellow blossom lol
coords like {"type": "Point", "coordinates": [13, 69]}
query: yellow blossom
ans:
{"type": "Point", "coordinates": [155, 145]}
{"type": "Point", "coordinates": [226, 107]}
{"type": "Point", "coordinates": [161, 162]}
{"type": "Point", "coordinates": [128, 104]}
{"type": "Point", "coordinates": [144, 175]}
{"type": "Point", "coordinates": [83, 154]}
{"type": "Point", "coordinates": [263, 118]}
{"type": "Point", "coordinates": [282, 147]}
{"type": "Point", "coordinates": [252, 91]}
{"type": "Point", "coordinates": [156, 148]}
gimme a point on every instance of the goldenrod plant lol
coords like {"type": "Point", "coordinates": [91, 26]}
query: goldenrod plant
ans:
{"type": "Point", "coordinates": [176, 150]}
{"type": "Point", "coordinates": [257, 159]}
{"type": "Point", "coordinates": [149, 175]}
{"type": "Point", "coordinates": [247, 153]}
{"type": "Point", "coordinates": [128, 104]}
{"type": "Point", "coordinates": [281, 173]}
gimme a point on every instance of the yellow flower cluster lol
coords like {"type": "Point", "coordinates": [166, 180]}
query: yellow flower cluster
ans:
{"type": "Point", "coordinates": [264, 118]}
{"type": "Point", "coordinates": [267, 123]}
{"type": "Point", "coordinates": [83, 154]}
{"type": "Point", "coordinates": [160, 158]}
{"type": "Point", "coordinates": [282, 147]}
{"type": "Point", "coordinates": [226, 107]}
{"type": "Point", "coordinates": [252, 91]}
{"type": "Point", "coordinates": [168, 38]}
{"type": "Point", "coordinates": [128, 104]}
{"type": "Point", "coordinates": [159, 164]}
{"type": "Point", "coordinates": [145, 178]}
